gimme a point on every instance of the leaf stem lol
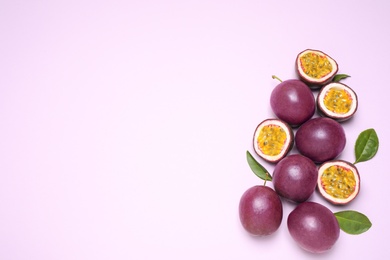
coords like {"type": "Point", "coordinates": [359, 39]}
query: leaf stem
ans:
{"type": "Point", "coordinates": [267, 177]}
{"type": "Point", "coordinates": [275, 77]}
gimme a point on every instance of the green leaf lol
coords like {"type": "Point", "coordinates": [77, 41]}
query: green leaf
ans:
{"type": "Point", "coordinates": [353, 222]}
{"type": "Point", "coordinates": [339, 77]}
{"type": "Point", "coordinates": [366, 145]}
{"type": "Point", "coordinates": [257, 168]}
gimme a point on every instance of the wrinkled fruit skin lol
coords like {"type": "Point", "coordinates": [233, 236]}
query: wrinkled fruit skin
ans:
{"type": "Point", "coordinates": [295, 178]}
{"type": "Point", "coordinates": [314, 227]}
{"type": "Point", "coordinates": [260, 210]}
{"type": "Point", "coordinates": [293, 102]}
{"type": "Point", "coordinates": [320, 139]}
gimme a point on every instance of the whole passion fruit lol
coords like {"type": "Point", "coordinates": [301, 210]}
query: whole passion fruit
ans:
{"type": "Point", "coordinates": [338, 101]}
{"type": "Point", "coordinates": [293, 102]}
{"type": "Point", "coordinates": [338, 181]}
{"type": "Point", "coordinates": [260, 210]}
{"type": "Point", "coordinates": [314, 227]}
{"type": "Point", "coordinates": [315, 67]}
{"type": "Point", "coordinates": [320, 139]}
{"type": "Point", "coordinates": [295, 178]}
{"type": "Point", "coordinates": [273, 139]}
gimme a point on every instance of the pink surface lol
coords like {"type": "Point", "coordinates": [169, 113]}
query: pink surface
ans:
{"type": "Point", "coordinates": [124, 124]}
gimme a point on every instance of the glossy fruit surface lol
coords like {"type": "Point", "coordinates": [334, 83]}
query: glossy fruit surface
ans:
{"type": "Point", "coordinates": [315, 67]}
{"type": "Point", "coordinates": [273, 139]}
{"type": "Point", "coordinates": [293, 102]}
{"type": "Point", "coordinates": [337, 101]}
{"type": "Point", "coordinates": [295, 178]}
{"type": "Point", "coordinates": [320, 139]}
{"type": "Point", "coordinates": [260, 210]}
{"type": "Point", "coordinates": [314, 227]}
{"type": "Point", "coordinates": [338, 181]}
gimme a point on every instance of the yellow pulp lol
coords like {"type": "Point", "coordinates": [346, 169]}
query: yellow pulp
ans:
{"type": "Point", "coordinates": [338, 181]}
{"type": "Point", "coordinates": [271, 140]}
{"type": "Point", "coordinates": [315, 65]}
{"type": "Point", "coordinates": [338, 100]}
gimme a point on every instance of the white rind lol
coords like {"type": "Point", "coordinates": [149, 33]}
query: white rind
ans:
{"type": "Point", "coordinates": [330, 113]}
{"type": "Point", "coordinates": [285, 127]}
{"type": "Point", "coordinates": [329, 197]}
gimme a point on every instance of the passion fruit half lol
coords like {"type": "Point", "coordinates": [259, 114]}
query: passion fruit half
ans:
{"type": "Point", "coordinates": [273, 139]}
{"type": "Point", "coordinates": [338, 101]}
{"type": "Point", "coordinates": [338, 181]}
{"type": "Point", "coordinates": [315, 67]}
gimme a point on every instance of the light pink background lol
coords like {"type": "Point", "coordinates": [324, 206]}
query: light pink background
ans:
{"type": "Point", "coordinates": [124, 124]}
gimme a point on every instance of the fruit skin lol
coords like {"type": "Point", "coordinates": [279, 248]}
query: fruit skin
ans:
{"type": "Point", "coordinates": [311, 82]}
{"type": "Point", "coordinates": [293, 102]}
{"type": "Point", "coordinates": [342, 163]}
{"type": "Point", "coordinates": [338, 117]}
{"type": "Point", "coordinates": [260, 210]}
{"type": "Point", "coordinates": [289, 142]}
{"type": "Point", "coordinates": [314, 227]}
{"type": "Point", "coordinates": [295, 178]}
{"type": "Point", "coordinates": [320, 139]}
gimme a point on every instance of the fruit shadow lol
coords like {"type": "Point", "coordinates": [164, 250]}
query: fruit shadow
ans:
{"type": "Point", "coordinates": [330, 254]}
{"type": "Point", "coordinates": [268, 239]}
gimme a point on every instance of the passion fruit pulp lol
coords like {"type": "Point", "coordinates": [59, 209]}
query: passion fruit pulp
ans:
{"type": "Point", "coordinates": [314, 227]}
{"type": "Point", "coordinates": [293, 102]}
{"type": "Point", "coordinates": [260, 210]}
{"type": "Point", "coordinates": [295, 178]}
{"type": "Point", "coordinates": [338, 181]}
{"type": "Point", "coordinates": [321, 139]}
{"type": "Point", "coordinates": [273, 139]}
{"type": "Point", "coordinates": [338, 101]}
{"type": "Point", "coordinates": [315, 67]}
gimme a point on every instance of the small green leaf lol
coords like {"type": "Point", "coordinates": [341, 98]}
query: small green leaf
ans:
{"type": "Point", "coordinates": [339, 77]}
{"type": "Point", "coordinates": [257, 168]}
{"type": "Point", "coordinates": [366, 145]}
{"type": "Point", "coordinates": [353, 222]}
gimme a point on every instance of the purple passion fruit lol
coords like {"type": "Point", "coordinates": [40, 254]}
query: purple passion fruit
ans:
{"type": "Point", "coordinates": [337, 101]}
{"type": "Point", "coordinates": [273, 139]}
{"type": "Point", "coordinates": [315, 67]}
{"type": "Point", "coordinates": [320, 139]}
{"type": "Point", "coordinates": [260, 211]}
{"type": "Point", "coordinates": [314, 227]}
{"type": "Point", "coordinates": [338, 181]}
{"type": "Point", "coordinates": [295, 178]}
{"type": "Point", "coordinates": [293, 102]}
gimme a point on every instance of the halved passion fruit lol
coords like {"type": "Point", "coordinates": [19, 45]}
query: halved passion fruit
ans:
{"type": "Point", "coordinates": [315, 67]}
{"type": "Point", "coordinates": [338, 181]}
{"type": "Point", "coordinates": [337, 101]}
{"type": "Point", "coordinates": [273, 139]}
